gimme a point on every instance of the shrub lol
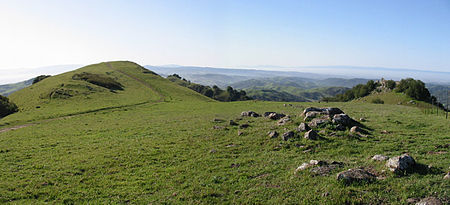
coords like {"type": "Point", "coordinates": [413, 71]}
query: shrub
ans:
{"type": "Point", "coordinates": [99, 80]}
{"type": "Point", "coordinates": [378, 101]}
{"type": "Point", "coordinates": [39, 78]}
{"type": "Point", "coordinates": [7, 107]}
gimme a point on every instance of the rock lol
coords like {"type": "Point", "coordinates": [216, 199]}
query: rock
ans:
{"type": "Point", "coordinates": [243, 126]}
{"type": "Point", "coordinates": [273, 134]}
{"type": "Point", "coordinates": [311, 115]}
{"type": "Point", "coordinates": [317, 162]}
{"type": "Point", "coordinates": [412, 200]}
{"type": "Point", "coordinates": [303, 167]}
{"type": "Point", "coordinates": [266, 114]}
{"type": "Point", "coordinates": [311, 135]}
{"type": "Point", "coordinates": [340, 127]}
{"type": "Point", "coordinates": [287, 135]}
{"type": "Point", "coordinates": [233, 123]}
{"type": "Point", "coordinates": [342, 119]}
{"type": "Point", "coordinates": [362, 119]}
{"type": "Point", "coordinates": [400, 163]}
{"type": "Point", "coordinates": [212, 151]}
{"type": "Point", "coordinates": [355, 175]}
{"type": "Point", "coordinates": [303, 127]}
{"type": "Point", "coordinates": [385, 132]}
{"type": "Point", "coordinates": [240, 133]}
{"type": "Point", "coordinates": [318, 122]}
{"type": "Point", "coordinates": [325, 194]}
{"type": "Point", "coordinates": [275, 116]}
{"type": "Point", "coordinates": [309, 109]}
{"type": "Point", "coordinates": [249, 114]}
{"type": "Point", "coordinates": [218, 120]}
{"type": "Point", "coordinates": [324, 170]}
{"type": "Point", "coordinates": [283, 121]}
{"type": "Point", "coordinates": [447, 176]}
{"type": "Point", "coordinates": [356, 129]}
{"type": "Point", "coordinates": [429, 201]}
{"type": "Point", "coordinates": [331, 111]}
{"type": "Point", "coordinates": [380, 157]}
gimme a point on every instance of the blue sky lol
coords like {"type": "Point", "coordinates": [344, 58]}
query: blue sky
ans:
{"type": "Point", "coordinates": [383, 33]}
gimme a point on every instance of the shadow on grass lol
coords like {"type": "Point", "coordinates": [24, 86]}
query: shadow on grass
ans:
{"type": "Point", "coordinates": [421, 169]}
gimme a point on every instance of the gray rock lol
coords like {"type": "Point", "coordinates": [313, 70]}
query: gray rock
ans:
{"type": "Point", "coordinates": [303, 127]}
{"type": "Point", "coordinates": [311, 135]}
{"type": "Point", "coordinates": [318, 122]}
{"type": "Point", "coordinates": [266, 114]}
{"type": "Point", "coordinates": [380, 157]}
{"type": "Point", "coordinates": [244, 126]}
{"type": "Point", "coordinates": [331, 111]}
{"type": "Point", "coordinates": [303, 167]}
{"type": "Point", "coordinates": [342, 119]}
{"type": "Point", "coordinates": [447, 176]}
{"type": "Point", "coordinates": [362, 119]}
{"type": "Point", "coordinates": [240, 133]}
{"type": "Point", "coordinates": [340, 127]}
{"type": "Point", "coordinates": [218, 120]}
{"type": "Point", "coordinates": [275, 116]}
{"type": "Point", "coordinates": [356, 129]}
{"type": "Point", "coordinates": [287, 135]}
{"type": "Point", "coordinates": [249, 114]}
{"type": "Point", "coordinates": [311, 115]}
{"type": "Point", "coordinates": [400, 163]}
{"type": "Point", "coordinates": [356, 175]}
{"type": "Point", "coordinates": [273, 134]}
{"type": "Point", "coordinates": [429, 201]}
{"type": "Point", "coordinates": [309, 109]}
{"type": "Point", "coordinates": [283, 121]}
{"type": "Point", "coordinates": [324, 170]}
{"type": "Point", "coordinates": [233, 123]}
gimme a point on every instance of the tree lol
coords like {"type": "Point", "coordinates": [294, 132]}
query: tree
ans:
{"type": "Point", "coordinates": [7, 107]}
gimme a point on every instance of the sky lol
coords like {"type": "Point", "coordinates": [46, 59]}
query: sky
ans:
{"type": "Point", "coordinates": [410, 34]}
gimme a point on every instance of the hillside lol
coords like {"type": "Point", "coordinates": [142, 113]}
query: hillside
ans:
{"type": "Point", "coordinates": [7, 89]}
{"type": "Point", "coordinates": [116, 133]}
{"type": "Point", "coordinates": [72, 93]}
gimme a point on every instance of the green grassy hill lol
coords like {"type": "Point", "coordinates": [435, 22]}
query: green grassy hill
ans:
{"type": "Point", "coordinates": [7, 89]}
{"type": "Point", "coordinates": [65, 94]}
{"type": "Point", "coordinates": [178, 147]}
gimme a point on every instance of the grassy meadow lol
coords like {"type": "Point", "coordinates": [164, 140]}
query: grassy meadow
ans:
{"type": "Point", "coordinates": [156, 145]}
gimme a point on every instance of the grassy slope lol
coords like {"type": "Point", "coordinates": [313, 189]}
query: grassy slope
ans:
{"type": "Point", "coordinates": [149, 89]}
{"type": "Point", "coordinates": [7, 89]}
{"type": "Point", "coordinates": [160, 153]}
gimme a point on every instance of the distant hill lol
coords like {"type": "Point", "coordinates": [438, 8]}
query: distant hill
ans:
{"type": "Point", "coordinates": [439, 91]}
{"type": "Point", "coordinates": [7, 89]}
{"type": "Point", "coordinates": [99, 86]}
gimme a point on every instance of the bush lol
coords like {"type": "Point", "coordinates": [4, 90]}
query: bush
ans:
{"type": "Point", "coordinates": [378, 101]}
{"type": "Point", "coordinates": [7, 107]}
{"type": "Point", "coordinates": [414, 88]}
{"type": "Point", "coordinates": [39, 78]}
{"type": "Point", "coordinates": [99, 80]}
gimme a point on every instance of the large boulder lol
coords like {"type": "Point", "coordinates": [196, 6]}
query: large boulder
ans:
{"type": "Point", "coordinates": [287, 135]}
{"type": "Point", "coordinates": [283, 121]}
{"type": "Point", "coordinates": [400, 163]}
{"type": "Point", "coordinates": [311, 135]}
{"type": "Point", "coordinates": [309, 109]}
{"type": "Point", "coordinates": [249, 114]}
{"type": "Point", "coordinates": [318, 122]}
{"type": "Point", "coordinates": [342, 119]}
{"type": "Point", "coordinates": [331, 111]}
{"type": "Point", "coordinates": [275, 116]}
{"type": "Point", "coordinates": [311, 115]}
{"type": "Point", "coordinates": [355, 175]}
{"type": "Point", "coordinates": [303, 127]}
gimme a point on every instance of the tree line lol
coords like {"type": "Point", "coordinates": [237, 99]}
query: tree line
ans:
{"type": "Point", "coordinates": [213, 92]}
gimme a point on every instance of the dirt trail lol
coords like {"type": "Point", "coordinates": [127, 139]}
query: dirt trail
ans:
{"type": "Point", "coordinates": [161, 99]}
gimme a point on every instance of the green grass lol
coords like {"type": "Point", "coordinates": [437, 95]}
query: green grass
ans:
{"type": "Point", "coordinates": [159, 153]}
